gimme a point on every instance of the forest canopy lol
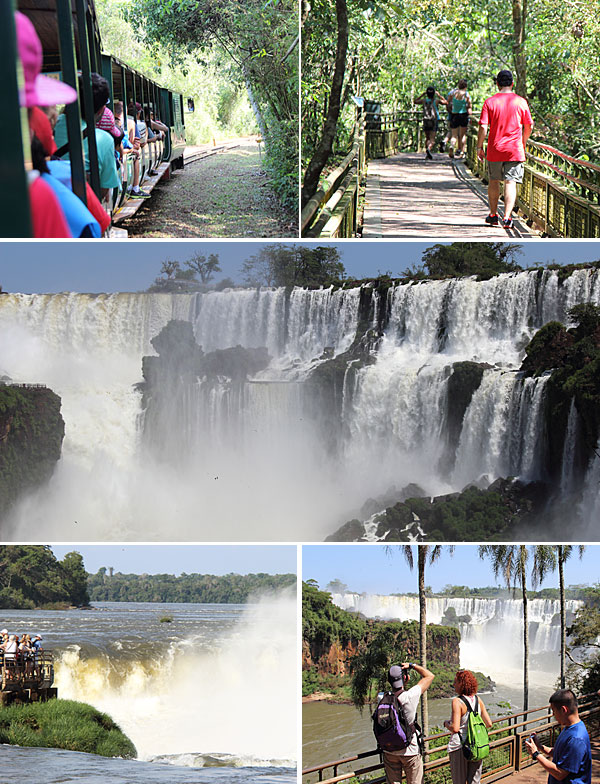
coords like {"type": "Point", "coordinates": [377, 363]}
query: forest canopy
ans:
{"type": "Point", "coordinates": [31, 576]}
{"type": "Point", "coordinates": [396, 49]}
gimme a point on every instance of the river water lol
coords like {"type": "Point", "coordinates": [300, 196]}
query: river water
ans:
{"type": "Point", "coordinates": [196, 695]}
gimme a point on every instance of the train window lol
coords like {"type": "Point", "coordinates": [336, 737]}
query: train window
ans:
{"type": "Point", "coordinates": [190, 105]}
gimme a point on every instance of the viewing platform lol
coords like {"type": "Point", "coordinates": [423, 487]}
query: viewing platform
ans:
{"type": "Point", "coordinates": [508, 755]}
{"type": "Point", "coordinates": [27, 681]}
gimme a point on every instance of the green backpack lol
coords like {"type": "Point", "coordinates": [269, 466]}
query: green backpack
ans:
{"type": "Point", "coordinates": [476, 745]}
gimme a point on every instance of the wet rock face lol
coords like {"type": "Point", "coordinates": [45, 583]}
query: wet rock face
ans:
{"type": "Point", "coordinates": [31, 434]}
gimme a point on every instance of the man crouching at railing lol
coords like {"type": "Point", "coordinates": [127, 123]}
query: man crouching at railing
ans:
{"type": "Point", "coordinates": [395, 725]}
{"type": "Point", "coordinates": [570, 759]}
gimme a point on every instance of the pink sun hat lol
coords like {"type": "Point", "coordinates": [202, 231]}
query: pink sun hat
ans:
{"type": "Point", "coordinates": [39, 90]}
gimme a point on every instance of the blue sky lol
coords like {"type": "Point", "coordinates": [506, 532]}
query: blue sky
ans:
{"type": "Point", "coordinates": [369, 569]}
{"type": "Point", "coordinates": [47, 267]}
{"type": "Point", "coordinates": [175, 559]}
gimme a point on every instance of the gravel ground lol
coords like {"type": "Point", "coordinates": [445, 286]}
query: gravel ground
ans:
{"type": "Point", "coordinates": [226, 195]}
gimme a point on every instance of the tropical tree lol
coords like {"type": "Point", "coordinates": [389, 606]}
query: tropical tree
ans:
{"type": "Point", "coordinates": [565, 551]}
{"type": "Point", "coordinates": [425, 554]}
{"type": "Point", "coordinates": [511, 563]}
{"type": "Point", "coordinates": [204, 267]}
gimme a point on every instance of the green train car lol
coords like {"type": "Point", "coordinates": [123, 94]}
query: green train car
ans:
{"type": "Point", "coordinates": [70, 38]}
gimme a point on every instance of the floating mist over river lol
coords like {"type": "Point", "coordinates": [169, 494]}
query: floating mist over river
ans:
{"type": "Point", "coordinates": [214, 687]}
{"type": "Point", "coordinates": [284, 456]}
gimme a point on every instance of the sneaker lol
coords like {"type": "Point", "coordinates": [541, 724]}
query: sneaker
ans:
{"type": "Point", "coordinates": [492, 220]}
{"type": "Point", "coordinates": [139, 194]}
{"type": "Point", "coordinates": [152, 173]}
{"type": "Point", "coordinates": [507, 223]}
{"type": "Point", "coordinates": [429, 156]}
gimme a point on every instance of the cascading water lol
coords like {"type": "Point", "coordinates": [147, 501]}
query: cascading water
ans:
{"type": "Point", "coordinates": [491, 640]}
{"type": "Point", "coordinates": [252, 459]}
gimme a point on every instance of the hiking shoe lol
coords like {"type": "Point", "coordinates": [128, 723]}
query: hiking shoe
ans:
{"type": "Point", "coordinates": [139, 194]}
{"type": "Point", "coordinates": [429, 156]}
{"type": "Point", "coordinates": [492, 220]}
{"type": "Point", "coordinates": [507, 223]}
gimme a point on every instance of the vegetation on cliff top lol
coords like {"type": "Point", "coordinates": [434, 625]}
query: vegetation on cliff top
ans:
{"type": "Point", "coordinates": [64, 724]}
{"type": "Point", "coordinates": [31, 434]}
{"type": "Point", "coordinates": [31, 576]}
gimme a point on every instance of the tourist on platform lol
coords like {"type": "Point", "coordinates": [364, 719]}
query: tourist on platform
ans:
{"type": "Point", "coordinates": [10, 649]}
{"type": "Point", "coordinates": [408, 761]}
{"type": "Point", "coordinates": [570, 759]}
{"type": "Point", "coordinates": [464, 771]}
{"type": "Point", "coordinates": [429, 100]}
{"type": "Point", "coordinates": [460, 109]}
{"type": "Point", "coordinates": [508, 119]}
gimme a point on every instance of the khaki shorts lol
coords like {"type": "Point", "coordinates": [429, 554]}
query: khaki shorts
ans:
{"type": "Point", "coordinates": [506, 170]}
{"type": "Point", "coordinates": [410, 764]}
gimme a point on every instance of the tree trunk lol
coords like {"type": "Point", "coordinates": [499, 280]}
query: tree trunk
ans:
{"type": "Point", "coordinates": [519, 15]}
{"type": "Point", "coordinates": [260, 121]}
{"type": "Point", "coordinates": [563, 625]}
{"type": "Point", "coordinates": [324, 147]}
{"type": "Point", "coordinates": [422, 550]}
{"type": "Point", "coordinates": [525, 644]}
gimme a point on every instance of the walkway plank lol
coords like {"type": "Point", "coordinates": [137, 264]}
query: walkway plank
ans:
{"type": "Point", "coordinates": [409, 196]}
{"type": "Point", "coordinates": [535, 774]}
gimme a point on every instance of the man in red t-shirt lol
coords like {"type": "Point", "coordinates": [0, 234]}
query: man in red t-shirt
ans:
{"type": "Point", "coordinates": [509, 120]}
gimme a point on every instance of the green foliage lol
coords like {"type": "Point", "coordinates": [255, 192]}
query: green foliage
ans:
{"type": "Point", "coordinates": [258, 40]}
{"type": "Point", "coordinates": [293, 265]}
{"type": "Point", "coordinates": [31, 576]}
{"type": "Point", "coordinates": [483, 259]}
{"type": "Point", "coordinates": [31, 434]}
{"type": "Point", "coordinates": [397, 49]}
{"type": "Point", "coordinates": [583, 674]}
{"type": "Point", "coordinates": [64, 724]}
{"type": "Point", "coordinates": [191, 588]}
{"type": "Point", "coordinates": [323, 623]}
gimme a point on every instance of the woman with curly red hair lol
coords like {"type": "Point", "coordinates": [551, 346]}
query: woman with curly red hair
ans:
{"type": "Point", "coordinates": [464, 771]}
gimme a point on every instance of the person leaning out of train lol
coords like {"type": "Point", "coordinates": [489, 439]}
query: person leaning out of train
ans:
{"type": "Point", "coordinates": [158, 127]}
{"type": "Point", "coordinates": [47, 217]}
{"type": "Point", "coordinates": [464, 771]}
{"type": "Point", "coordinates": [107, 167]}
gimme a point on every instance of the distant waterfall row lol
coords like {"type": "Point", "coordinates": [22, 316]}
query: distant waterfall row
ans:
{"type": "Point", "coordinates": [488, 617]}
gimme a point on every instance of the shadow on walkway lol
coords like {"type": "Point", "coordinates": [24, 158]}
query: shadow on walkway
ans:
{"type": "Point", "coordinates": [409, 196]}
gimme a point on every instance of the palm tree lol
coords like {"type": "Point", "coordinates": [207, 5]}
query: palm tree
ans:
{"type": "Point", "coordinates": [426, 553]}
{"type": "Point", "coordinates": [565, 551]}
{"type": "Point", "coordinates": [510, 562]}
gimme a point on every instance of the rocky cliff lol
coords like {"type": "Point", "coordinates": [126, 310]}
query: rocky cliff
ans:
{"type": "Point", "coordinates": [31, 435]}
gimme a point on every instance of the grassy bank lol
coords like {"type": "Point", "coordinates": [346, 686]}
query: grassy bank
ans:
{"type": "Point", "coordinates": [64, 724]}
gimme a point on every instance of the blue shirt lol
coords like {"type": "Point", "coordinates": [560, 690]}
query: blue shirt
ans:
{"type": "Point", "coordinates": [573, 753]}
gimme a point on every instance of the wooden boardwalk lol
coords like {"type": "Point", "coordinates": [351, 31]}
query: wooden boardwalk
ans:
{"type": "Point", "coordinates": [535, 774]}
{"type": "Point", "coordinates": [409, 196]}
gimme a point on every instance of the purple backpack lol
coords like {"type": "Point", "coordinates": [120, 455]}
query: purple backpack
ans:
{"type": "Point", "coordinates": [391, 729]}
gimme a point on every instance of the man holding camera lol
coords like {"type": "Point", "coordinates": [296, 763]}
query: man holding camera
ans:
{"type": "Point", "coordinates": [570, 759]}
{"type": "Point", "coordinates": [409, 759]}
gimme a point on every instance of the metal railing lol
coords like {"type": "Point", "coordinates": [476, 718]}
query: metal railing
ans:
{"type": "Point", "coordinates": [508, 754]}
{"type": "Point", "coordinates": [35, 672]}
{"type": "Point", "coordinates": [559, 194]}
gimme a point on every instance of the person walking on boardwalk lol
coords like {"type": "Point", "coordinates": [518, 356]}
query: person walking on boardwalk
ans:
{"type": "Point", "coordinates": [460, 110]}
{"type": "Point", "coordinates": [462, 770]}
{"type": "Point", "coordinates": [408, 759]}
{"type": "Point", "coordinates": [570, 759]}
{"type": "Point", "coordinates": [429, 100]}
{"type": "Point", "coordinates": [508, 118]}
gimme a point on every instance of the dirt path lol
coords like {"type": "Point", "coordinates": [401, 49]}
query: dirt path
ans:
{"type": "Point", "coordinates": [225, 195]}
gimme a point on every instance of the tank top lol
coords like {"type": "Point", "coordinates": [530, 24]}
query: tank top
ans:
{"type": "Point", "coordinates": [459, 105]}
{"type": "Point", "coordinates": [456, 738]}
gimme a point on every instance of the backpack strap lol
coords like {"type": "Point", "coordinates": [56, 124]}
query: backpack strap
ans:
{"type": "Point", "coordinates": [474, 710]}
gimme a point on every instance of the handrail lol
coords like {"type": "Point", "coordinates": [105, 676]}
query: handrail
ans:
{"type": "Point", "coordinates": [560, 194]}
{"type": "Point", "coordinates": [18, 674]}
{"type": "Point", "coordinates": [511, 740]}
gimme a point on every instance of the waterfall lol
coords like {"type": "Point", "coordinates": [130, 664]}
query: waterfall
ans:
{"type": "Point", "coordinates": [286, 443]}
{"type": "Point", "coordinates": [493, 632]}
